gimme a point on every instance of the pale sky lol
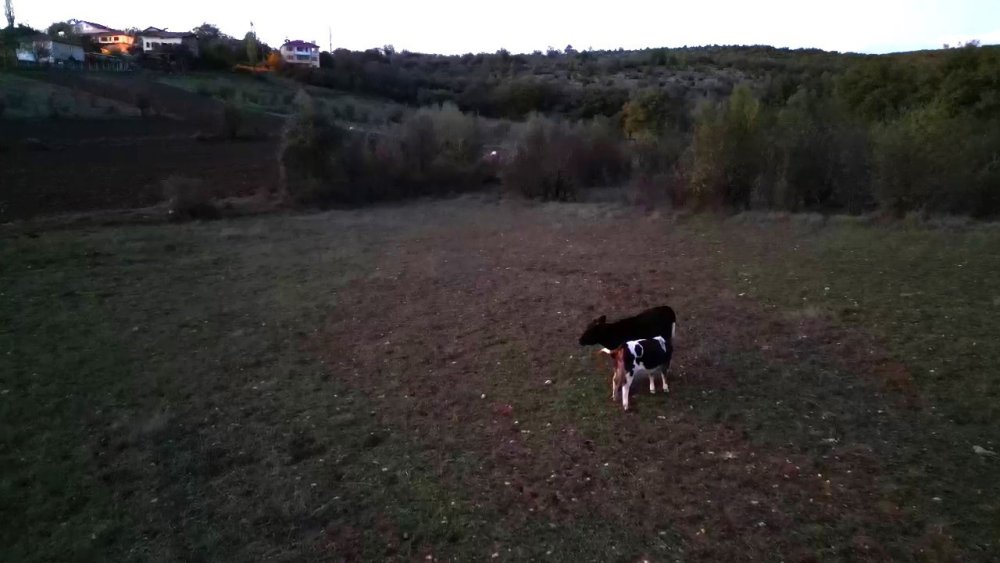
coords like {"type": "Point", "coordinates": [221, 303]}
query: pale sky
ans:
{"type": "Point", "coordinates": [457, 26]}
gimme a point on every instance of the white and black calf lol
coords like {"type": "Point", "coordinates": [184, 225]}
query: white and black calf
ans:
{"type": "Point", "coordinates": [657, 321]}
{"type": "Point", "coordinates": [637, 358]}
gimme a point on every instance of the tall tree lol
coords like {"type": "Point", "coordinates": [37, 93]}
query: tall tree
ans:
{"type": "Point", "coordinates": [60, 29]}
{"type": "Point", "coordinates": [250, 39]}
{"type": "Point", "coordinates": [8, 10]}
{"type": "Point", "coordinates": [207, 31]}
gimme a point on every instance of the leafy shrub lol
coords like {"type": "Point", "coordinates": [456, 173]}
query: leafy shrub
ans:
{"type": "Point", "coordinates": [226, 92]}
{"type": "Point", "coordinates": [232, 120]}
{"type": "Point", "coordinates": [817, 158]}
{"type": "Point", "coordinates": [650, 113]}
{"type": "Point", "coordinates": [433, 151]}
{"type": "Point", "coordinates": [188, 198]}
{"type": "Point", "coordinates": [726, 152]}
{"type": "Point", "coordinates": [143, 104]}
{"type": "Point", "coordinates": [926, 161]}
{"type": "Point", "coordinates": [656, 175]}
{"type": "Point", "coordinates": [552, 160]}
{"type": "Point", "coordinates": [311, 159]}
{"type": "Point", "coordinates": [538, 167]}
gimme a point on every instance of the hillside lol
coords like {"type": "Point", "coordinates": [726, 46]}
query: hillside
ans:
{"type": "Point", "coordinates": [733, 127]}
{"type": "Point", "coordinates": [737, 127]}
{"type": "Point", "coordinates": [586, 83]}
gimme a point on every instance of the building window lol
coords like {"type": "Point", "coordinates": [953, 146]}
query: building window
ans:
{"type": "Point", "coordinates": [147, 44]}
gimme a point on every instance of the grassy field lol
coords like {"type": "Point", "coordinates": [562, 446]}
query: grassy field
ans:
{"type": "Point", "coordinates": [404, 382]}
{"type": "Point", "coordinates": [24, 98]}
{"type": "Point", "coordinates": [273, 94]}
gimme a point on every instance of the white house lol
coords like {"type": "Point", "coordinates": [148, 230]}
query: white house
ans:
{"type": "Point", "coordinates": [110, 40]}
{"type": "Point", "coordinates": [45, 50]}
{"type": "Point", "coordinates": [153, 39]}
{"type": "Point", "coordinates": [81, 27]}
{"type": "Point", "coordinates": [300, 53]}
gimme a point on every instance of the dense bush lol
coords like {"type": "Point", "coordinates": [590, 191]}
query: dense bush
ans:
{"type": "Point", "coordinates": [188, 198]}
{"type": "Point", "coordinates": [311, 157]}
{"type": "Point", "coordinates": [552, 160]}
{"type": "Point", "coordinates": [652, 112]}
{"type": "Point", "coordinates": [725, 158]}
{"type": "Point", "coordinates": [432, 151]}
{"type": "Point", "coordinates": [817, 158]}
{"type": "Point", "coordinates": [804, 131]}
{"type": "Point", "coordinates": [143, 104]}
{"type": "Point", "coordinates": [928, 162]}
{"type": "Point", "coordinates": [232, 120]}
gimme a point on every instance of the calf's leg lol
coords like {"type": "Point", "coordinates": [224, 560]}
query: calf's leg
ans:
{"type": "Point", "coordinates": [624, 391]}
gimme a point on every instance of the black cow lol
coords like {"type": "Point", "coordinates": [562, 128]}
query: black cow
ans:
{"type": "Point", "coordinates": [658, 321]}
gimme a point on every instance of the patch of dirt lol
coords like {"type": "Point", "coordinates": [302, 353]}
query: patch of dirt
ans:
{"type": "Point", "coordinates": [120, 164]}
{"type": "Point", "coordinates": [455, 336]}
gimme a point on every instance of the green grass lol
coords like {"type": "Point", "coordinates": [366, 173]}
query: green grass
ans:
{"type": "Point", "coordinates": [274, 94]}
{"type": "Point", "coordinates": [158, 403]}
{"type": "Point", "coordinates": [153, 378]}
{"type": "Point", "coordinates": [163, 396]}
{"type": "Point", "coordinates": [25, 98]}
{"type": "Point", "coordinates": [930, 296]}
{"type": "Point", "coordinates": [930, 293]}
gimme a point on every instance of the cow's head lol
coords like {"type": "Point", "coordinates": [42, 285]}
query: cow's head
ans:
{"type": "Point", "coordinates": [595, 331]}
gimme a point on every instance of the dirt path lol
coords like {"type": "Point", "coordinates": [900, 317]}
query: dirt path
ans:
{"type": "Point", "coordinates": [465, 340]}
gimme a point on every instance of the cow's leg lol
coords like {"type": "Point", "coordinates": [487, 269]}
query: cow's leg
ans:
{"type": "Point", "coordinates": [663, 376]}
{"type": "Point", "coordinates": [652, 383]}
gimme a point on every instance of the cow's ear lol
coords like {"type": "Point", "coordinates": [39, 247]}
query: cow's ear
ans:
{"type": "Point", "coordinates": [602, 319]}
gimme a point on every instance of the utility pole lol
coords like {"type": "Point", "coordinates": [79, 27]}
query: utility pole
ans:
{"type": "Point", "coordinates": [329, 30]}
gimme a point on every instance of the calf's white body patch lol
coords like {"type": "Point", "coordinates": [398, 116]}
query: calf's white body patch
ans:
{"type": "Point", "coordinates": [639, 368]}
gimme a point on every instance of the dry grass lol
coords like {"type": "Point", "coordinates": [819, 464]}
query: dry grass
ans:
{"type": "Point", "coordinates": [25, 98]}
{"type": "Point", "coordinates": [312, 387]}
{"type": "Point", "coordinates": [188, 198]}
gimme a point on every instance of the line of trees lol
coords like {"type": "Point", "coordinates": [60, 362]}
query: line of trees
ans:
{"type": "Point", "coordinates": [219, 51]}
{"type": "Point", "coordinates": [740, 128]}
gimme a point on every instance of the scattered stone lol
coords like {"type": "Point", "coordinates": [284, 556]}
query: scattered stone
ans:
{"type": "Point", "coordinates": [979, 450]}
